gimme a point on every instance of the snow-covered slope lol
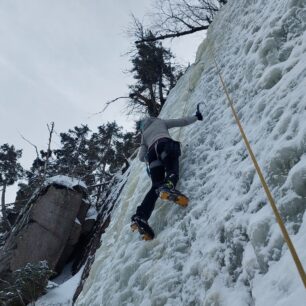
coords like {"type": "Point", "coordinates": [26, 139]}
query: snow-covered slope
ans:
{"type": "Point", "coordinates": [225, 248]}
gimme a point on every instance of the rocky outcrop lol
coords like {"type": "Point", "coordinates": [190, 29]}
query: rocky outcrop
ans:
{"type": "Point", "coordinates": [51, 221]}
{"type": "Point", "coordinates": [48, 230]}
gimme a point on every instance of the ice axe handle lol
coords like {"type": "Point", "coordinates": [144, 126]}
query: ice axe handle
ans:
{"type": "Point", "coordinates": [198, 106]}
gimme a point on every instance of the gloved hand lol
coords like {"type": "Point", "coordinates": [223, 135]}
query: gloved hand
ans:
{"type": "Point", "coordinates": [199, 115]}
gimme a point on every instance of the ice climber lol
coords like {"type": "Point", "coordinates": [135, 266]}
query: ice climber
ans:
{"type": "Point", "coordinates": [162, 156]}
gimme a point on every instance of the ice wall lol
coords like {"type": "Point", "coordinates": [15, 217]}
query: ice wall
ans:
{"type": "Point", "coordinates": [225, 248]}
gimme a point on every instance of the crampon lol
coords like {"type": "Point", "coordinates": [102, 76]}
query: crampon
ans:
{"type": "Point", "coordinates": [142, 227]}
{"type": "Point", "coordinates": [173, 195]}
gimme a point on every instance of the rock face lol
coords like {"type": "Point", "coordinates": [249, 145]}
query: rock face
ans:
{"type": "Point", "coordinates": [50, 224]}
{"type": "Point", "coordinates": [48, 230]}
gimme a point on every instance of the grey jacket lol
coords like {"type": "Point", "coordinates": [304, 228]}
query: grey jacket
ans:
{"type": "Point", "coordinates": [155, 128]}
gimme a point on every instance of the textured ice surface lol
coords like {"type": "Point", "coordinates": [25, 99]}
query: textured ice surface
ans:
{"type": "Point", "coordinates": [225, 248]}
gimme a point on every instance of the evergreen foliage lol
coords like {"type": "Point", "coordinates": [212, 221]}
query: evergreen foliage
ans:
{"type": "Point", "coordinates": [10, 172]}
{"type": "Point", "coordinates": [154, 72]}
{"type": "Point", "coordinates": [93, 157]}
{"type": "Point", "coordinates": [25, 285]}
{"type": "Point", "coordinates": [72, 158]}
{"type": "Point", "coordinates": [10, 169]}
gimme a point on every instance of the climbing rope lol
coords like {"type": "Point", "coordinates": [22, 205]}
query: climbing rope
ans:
{"type": "Point", "coordinates": [262, 179]}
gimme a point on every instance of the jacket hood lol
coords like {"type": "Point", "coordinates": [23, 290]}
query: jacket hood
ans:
{"type": "Point", "coordinates": [146, 122]}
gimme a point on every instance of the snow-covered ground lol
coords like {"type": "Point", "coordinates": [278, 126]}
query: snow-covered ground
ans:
{"type": "Point", "coordinates": [63, 294]}
{"type": "Point", "coordinates": [225, 248]}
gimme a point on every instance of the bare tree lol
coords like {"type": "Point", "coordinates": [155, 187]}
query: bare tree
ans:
{"type": "Point", "coordinates": [49, 152]}
{"type": "Point", "coordinates": [174, 18]}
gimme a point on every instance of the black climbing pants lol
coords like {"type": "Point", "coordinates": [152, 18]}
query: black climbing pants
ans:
{"type": "Point", "coordinates": [163, 159]}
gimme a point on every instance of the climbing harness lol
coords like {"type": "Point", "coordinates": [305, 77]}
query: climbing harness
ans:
{"type": "Point", "coordinates": [262, 179]}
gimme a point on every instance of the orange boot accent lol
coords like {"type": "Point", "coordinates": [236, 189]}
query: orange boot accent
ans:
{"type": "Point", "coordinates": [134, 227]}
{"type": "Point", "coordinates": [164, 195]}
{"type": "Point", "coordinates": [146, 237]}
{"type": "Point", "coordinates": [182, 201]}
{"type": "Point", "coordinates": [178, 199]}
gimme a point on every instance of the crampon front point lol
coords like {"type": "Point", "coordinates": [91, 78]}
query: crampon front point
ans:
{"type": "Point", "coordinates": [144, 235]}
{"type": "Point", "coordinates": [175, 197]}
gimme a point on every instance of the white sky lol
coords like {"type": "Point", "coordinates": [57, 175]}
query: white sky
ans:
{"type": "Point", "coordinates": [61, 60]}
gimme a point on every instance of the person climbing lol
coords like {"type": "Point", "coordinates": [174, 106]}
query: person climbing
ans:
{"type": "Point", "coordinates": [161, 153]}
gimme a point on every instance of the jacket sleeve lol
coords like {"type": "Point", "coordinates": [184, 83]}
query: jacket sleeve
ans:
{"type": "Point", "coordinates": [142, 153]}
{"type": "Point", "coordinates": [171, 123]}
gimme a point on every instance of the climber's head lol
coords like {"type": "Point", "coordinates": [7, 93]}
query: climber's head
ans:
{"type": "Point", "coordinates": [139, 124]}
{"type": "Point", "coordinates": [143, 123]}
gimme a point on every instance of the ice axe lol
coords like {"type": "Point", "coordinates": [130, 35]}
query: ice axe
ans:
{"type": "Point", "coordinates": [198, 106]}
{"type": "Point", "coordinates": [198, 113]}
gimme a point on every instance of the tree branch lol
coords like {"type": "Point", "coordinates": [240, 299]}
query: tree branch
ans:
{"type": "Point", "coordinates": [196, 29]}
{"type": "Point", "coordinates": [50, 129]}
{"type": "Point", "coordinates": [33, 145]}
{"type": "Point", "coordinates": [107, 104]}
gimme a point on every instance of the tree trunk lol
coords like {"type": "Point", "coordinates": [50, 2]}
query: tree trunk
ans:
{"type": "Point", "coordinates": [102, 179]}
{"type": "Point", "coordinates": [48, 151]}
{"type": "Point", "coordinates": [177, 34]}
{"type": "Point", "coordinates": [160, 89]}
{"type": "Point", "coordinates": [153, 108]}
{"type": "Point", "coordinates": [6, 222]}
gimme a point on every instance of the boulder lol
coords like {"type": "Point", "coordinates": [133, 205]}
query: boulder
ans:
{"type": "Point", "coordinates": [83, 211]}
{"type": "Point", "coordinates": [46, 228]}
{"type": "Point", "coordinates": [35, 244]}
{"type": "Point", "coordinates": [50, 224]}
{"type": "Point", "coordinates": [70, 246]}
{"type": "Point", "coordinates": [56, 211]}
{"type": "Point", "coordinates": [50, 229]}
{"type": "Point", "coordinates": [87, 226]}
{"type": "Point", "coordinates": [75, 233]}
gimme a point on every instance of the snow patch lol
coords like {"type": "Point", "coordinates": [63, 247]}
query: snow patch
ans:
{"type": "Point", "coordinates": [66, 181]}
{"type": "Point", "coordinates": [61, 295]}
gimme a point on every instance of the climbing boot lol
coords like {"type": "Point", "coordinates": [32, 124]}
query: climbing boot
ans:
{"type": "Point", "coordinates": [169, 193]}
{"type": "Point", "coordinates": [142, 226]}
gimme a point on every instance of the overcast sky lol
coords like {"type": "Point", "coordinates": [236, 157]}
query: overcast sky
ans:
{"type": "Point", "coordinates": [61, 60]}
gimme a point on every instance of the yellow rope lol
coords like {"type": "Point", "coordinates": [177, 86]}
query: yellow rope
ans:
{"type": "Point", "coordinates": [263, 181]}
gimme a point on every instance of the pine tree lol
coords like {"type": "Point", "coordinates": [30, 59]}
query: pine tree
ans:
{"type": "Point", "coordinates": [91, 157]}
{"type": "Point", "coordinates": [71, 158]}
{"type": "Point", "coordinates": [155, 75]}
{"type": "Point", "coordinates": [25, 285]}
{"type": "Point", "coordinates": [103, 155]}
{"type": "Point", "coordinates": [124, 148]}
{"type": "Point", "coordinates": [10, 172]}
